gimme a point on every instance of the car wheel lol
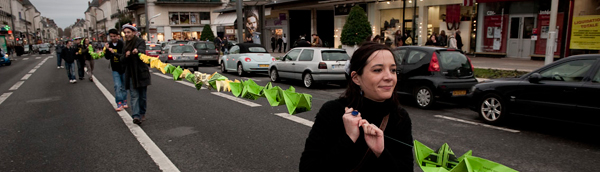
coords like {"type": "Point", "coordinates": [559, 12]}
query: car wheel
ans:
{"type": "Point", "coordinates": [240, 69]}
{"type": "Point", "coordinates": [223, 70]}
{"type": "Point", "coordinates": [424, 97]}
{"type": "Point", "coordinates": [308, 80]}
{"type": "Point", "coordinates": [274, 75]}
{"type": "Point", "coordinates": [492, 108]}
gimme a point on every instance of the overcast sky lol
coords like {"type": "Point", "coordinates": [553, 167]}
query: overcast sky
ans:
{"type": "Point", "coordinates": [64, 12]}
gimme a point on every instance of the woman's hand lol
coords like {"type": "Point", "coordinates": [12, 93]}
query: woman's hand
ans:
{"type": "Point", "coordinates": [351, 124]}
{"type": "Point", "coordinates": [127, 53]}
{"type": "Point", "coordinates": [373, 137]}
{"type": "Point", "coordinates": [135, 51]}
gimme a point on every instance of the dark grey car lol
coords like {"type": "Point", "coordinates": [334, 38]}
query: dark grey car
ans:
{"type": "Point", "coordinates": [206, 51]}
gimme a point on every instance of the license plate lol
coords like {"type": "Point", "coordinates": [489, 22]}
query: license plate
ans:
{"type": "Point", "coordinates": [207, 57]}
{"type": "Point", "coordinates": [337, 66]}
{"type": "Point", "coordinates": [183, 58]}
{"type": "Point", "coordinates": [459, 92]}
{"type": "Point", "coordinates": [263, 65]}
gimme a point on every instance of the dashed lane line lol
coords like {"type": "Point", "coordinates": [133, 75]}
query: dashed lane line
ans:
{"type": "Point", "coordinates": [26, 77]}
{"type": "Point", "coordinates": [32, 70]}
{"type": "Point", "coordinates": [476, 123]}
{"type": "Point", "coordinates": [25, 58]}
{"type": "Point", "coordinates": [4, 97]}
{"type": "Point", "coordinates": [38, 58]}
{"type": "Point", "coordinates": [16, 86]}
{"type": "Point", "coordinates": [296, 119]}
{"type": "Point", "coordinates": [235, 99]}
{"type": "Point", "coordinates": [157, 155]}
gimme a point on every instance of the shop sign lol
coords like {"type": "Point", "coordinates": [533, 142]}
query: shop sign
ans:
{"type": "Point", "coordinates": [545, 12]}
{"type": "Point", "coordinates": [585, 32]}
{"type": "Point", "coordinates": [186, 29]}
{"type": "Point", "coordinates": [491, 13]}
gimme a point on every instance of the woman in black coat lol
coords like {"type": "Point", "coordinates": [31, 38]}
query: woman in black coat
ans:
{"type": "Point", "coordinates": [348, 133]}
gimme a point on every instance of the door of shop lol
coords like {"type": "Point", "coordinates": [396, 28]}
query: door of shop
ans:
{"type": "Point", "coordinates": [520, 32]}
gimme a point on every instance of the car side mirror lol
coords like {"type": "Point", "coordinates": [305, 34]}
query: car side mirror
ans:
{"type": "Point", "coordinates": [535, 78]}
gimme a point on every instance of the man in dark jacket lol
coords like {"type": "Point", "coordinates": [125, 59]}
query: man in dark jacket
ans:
{"type": "Point", "coordinates": [273, 43]}
{"type": "Point", "coordinates": [118, 69]}
{"type": "Point", "coordinates": [279, 43]}
{"type": "Point", "coordinates": [58, 50]}
{"type": "Point", "coordinates": [79, 58]}
{"type": "Point", "coordinates": [459, 43]}
{"type": "Point", "coordinates": [137, 74]}
{"type": "Point", "coordinates": [68, 54]}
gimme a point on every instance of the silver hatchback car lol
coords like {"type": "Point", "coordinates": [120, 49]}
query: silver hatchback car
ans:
{"type": "Point", "coordinates": [180, 55]}
{"type": "Point", "coordinates": [311, 65]}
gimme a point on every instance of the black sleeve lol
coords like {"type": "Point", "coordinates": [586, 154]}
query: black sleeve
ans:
{"type": "Point", "coordinates": [398, 156]}
{"type": "Point", "coordinates": [108, 54]}
{"type": "Point", "coordinates": [326, 149]}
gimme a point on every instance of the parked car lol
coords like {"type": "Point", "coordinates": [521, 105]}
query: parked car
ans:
{"type": "Point", "coordinates": [44, 48]}
{"type": "Point", "coordinates": [26, 49]}
{"type": "Point", "coordinates": [206, 50]}
{"type": "Point", "coordinates": [180, 55]}
{"type": "Point", "coordinates": [153, 50]}
{"type": "Point", "coordinates": [5, 60]}
{"type": "Point", "coordinates": [312, 66]}
{"type": "Point", "coordinates": [245, 58]}
{"type": "Point", "coordinates": [566, 90]}
{"type": "Point", "coordinates": [432, 74]}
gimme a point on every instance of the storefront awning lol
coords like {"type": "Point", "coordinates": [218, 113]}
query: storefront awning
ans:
{"type": "Point", "coordinates": [226, 19]}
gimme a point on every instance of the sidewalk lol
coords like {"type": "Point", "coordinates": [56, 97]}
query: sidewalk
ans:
{"type": "Point", "coordinates": [519, 64]}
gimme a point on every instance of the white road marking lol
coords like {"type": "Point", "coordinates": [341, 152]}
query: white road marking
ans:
{"type": "Point", "coordinates": [190, 84]}
{"type": "Point", "coordinates": [16, 86]}
{"type": "Point", "coordinates": [257, 80]}
{"type": "Point", "coordinates": [50, 56]}
{"type": "Point", "coordinates": [235, 99]}
{"type": "Point", "coordinates": [4, 97]}
{"type": "Point", "coordinates": [32, 70]}
{"type": "Point", "coordinates": [26, 77]}
{"type": "Point", "coordinates": [38, 57]}
{"type": "Point", "coordinates": [163, 76]}
{"type": "Point", "coordinates": [159, 157]}
{"type": "Point", "coordinates": [476, 123]}
{"type": "Point", "coordinates": [25, 58]}
{"type": "Point", "coordinates": [296, 119]}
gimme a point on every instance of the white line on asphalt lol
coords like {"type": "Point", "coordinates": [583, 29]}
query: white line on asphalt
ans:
{"type": "Point", "coordinates": [26, 77]}
{"type": "Point", "coordinates": [25, 58]}
{"type": "Point", "coordinates": [235, 99]}
{"type": "Point", "coordinates": [476, 123]}
{"type": "Point", "coordinates": [190, 84]}
{"type": "Point", "coordinates": [296, 119]}
{"type": "Point", "coordinates": [159, 157]}
{"type": "Point", "coordinates": [257, 80]}
{"type": "Point", "coordinates": [163, 76]}
{"type": "Point", "coordinates": [4, 97]}
{"type": "Point", "coordinates": [32, 70]}
{"type": "Point", "coordinates": [16, 86]}
{"type": "Point", "coordinates": [38, 57]}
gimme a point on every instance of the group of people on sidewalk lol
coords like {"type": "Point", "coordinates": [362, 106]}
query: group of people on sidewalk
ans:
{"type": "Point", "coordinates": [278, 43]}
{"type": "Point", "coordinates": [128, 70]}
{"type": "Point", "coordinates": [453, 40]}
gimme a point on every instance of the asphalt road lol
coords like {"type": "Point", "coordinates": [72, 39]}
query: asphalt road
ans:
{"type": "Point", "coordinates": [47, 124]}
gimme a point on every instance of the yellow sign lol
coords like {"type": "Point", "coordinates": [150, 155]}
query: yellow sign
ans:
{"type": "Point", "coordinates": [585, 32]}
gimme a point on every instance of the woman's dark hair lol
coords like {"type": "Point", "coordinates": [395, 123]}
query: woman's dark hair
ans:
{"type": "Point", "coordinates": [357, 64]}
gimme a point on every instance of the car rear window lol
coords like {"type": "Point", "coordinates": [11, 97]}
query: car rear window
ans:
{"type": "Point", "coordinates": [455, 64]}
{"type": "Point", "coordinates": [182, 49]}
{"type": "Point", "coordinates": [257, 50]}
{"type": "Point", "coordinates": [152, 47]}
{"type": "Point", "coordinates": [334, 56]}
{"type": "Point", "coordinates": [204, 46]}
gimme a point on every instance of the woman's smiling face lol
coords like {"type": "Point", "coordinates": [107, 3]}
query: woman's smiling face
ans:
{"type": "Point", "coordinates": [379, 76]}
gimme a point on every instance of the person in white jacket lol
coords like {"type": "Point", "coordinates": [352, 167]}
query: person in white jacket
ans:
{"type": "Point", "coordinates": [452, 42]}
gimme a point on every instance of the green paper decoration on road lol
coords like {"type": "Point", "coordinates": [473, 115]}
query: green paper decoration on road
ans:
{"type": "Point", "coordinates": [176, 73]}
{"type": "Point", "coordinates": [444, 160]}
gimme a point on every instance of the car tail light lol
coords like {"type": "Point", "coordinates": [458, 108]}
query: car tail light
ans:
{"type": "Point", "coordinates": [196, 57]}
{"type": "Point", "coordinates": [170, 57]}
{"type": "Point", "coordinates": [322, 65]}
{"type": "Point", "coordinates": [247, 59]}
{"type": "Point", "coordinates": [273, 58]}
{"type": "Point", "coordinates": [472, 68]}
{"type": "Point", "coordinates": [180, 44]}
{"type": "Point", "coordinates": [434, 64]}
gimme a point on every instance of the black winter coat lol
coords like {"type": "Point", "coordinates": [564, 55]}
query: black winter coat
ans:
{"type": "Point", "coordinates": [68, 54]}
{"type": "Point", "coordinates": [329, 148]}
{"type": "Point", "coordinates": [135, 69]}
{"type": "Point", "coordinates": [115, 58]}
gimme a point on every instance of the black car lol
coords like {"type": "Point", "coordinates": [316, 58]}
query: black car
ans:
{"type": "Point", "coordinates": [431, 74]}
{"type": "Point", "coordinates": [207, 51]}
{"type": "Point", "coordinates": [566, 90]}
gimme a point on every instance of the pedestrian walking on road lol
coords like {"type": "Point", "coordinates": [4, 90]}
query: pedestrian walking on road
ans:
{"type": "Point", "coordinates": [89, 62]}
{"type": "Point", "coordinates": [137, 74]}
{"type": "Point", "coordinates": [353, 133]}
{"type": "Point", "coordinates": [273, 43]}
{"type": "Point", "coordinates": [68, 54]}
{"type": "Point", "coordinates": [79, 58]}
{"type": "Point", "coordinates": [279, 43]}
{"type": "Point", "coordinates": [284, 43]}
{"type": "Point", "coordinates": [118, 69]}
{"type": "Point", "coordinates": [59, 47]}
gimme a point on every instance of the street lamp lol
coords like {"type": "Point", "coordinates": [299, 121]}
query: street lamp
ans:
{"type": "Point", "coordinates": [148, 26]}
{"type": "Point", "coordinates": [103, 23]}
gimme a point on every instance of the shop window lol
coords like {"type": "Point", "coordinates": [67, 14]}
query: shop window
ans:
{"type": "Point", "coordinates": [174, 18]}
{"type": "Point", "coordinates": [515, 24]}
{"type": "Point", "coordinates": [194, 18]}
{"type": "Point", "coordinates": [184, 18]}
{"type": "Point", "coordinates": [204, 17]}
